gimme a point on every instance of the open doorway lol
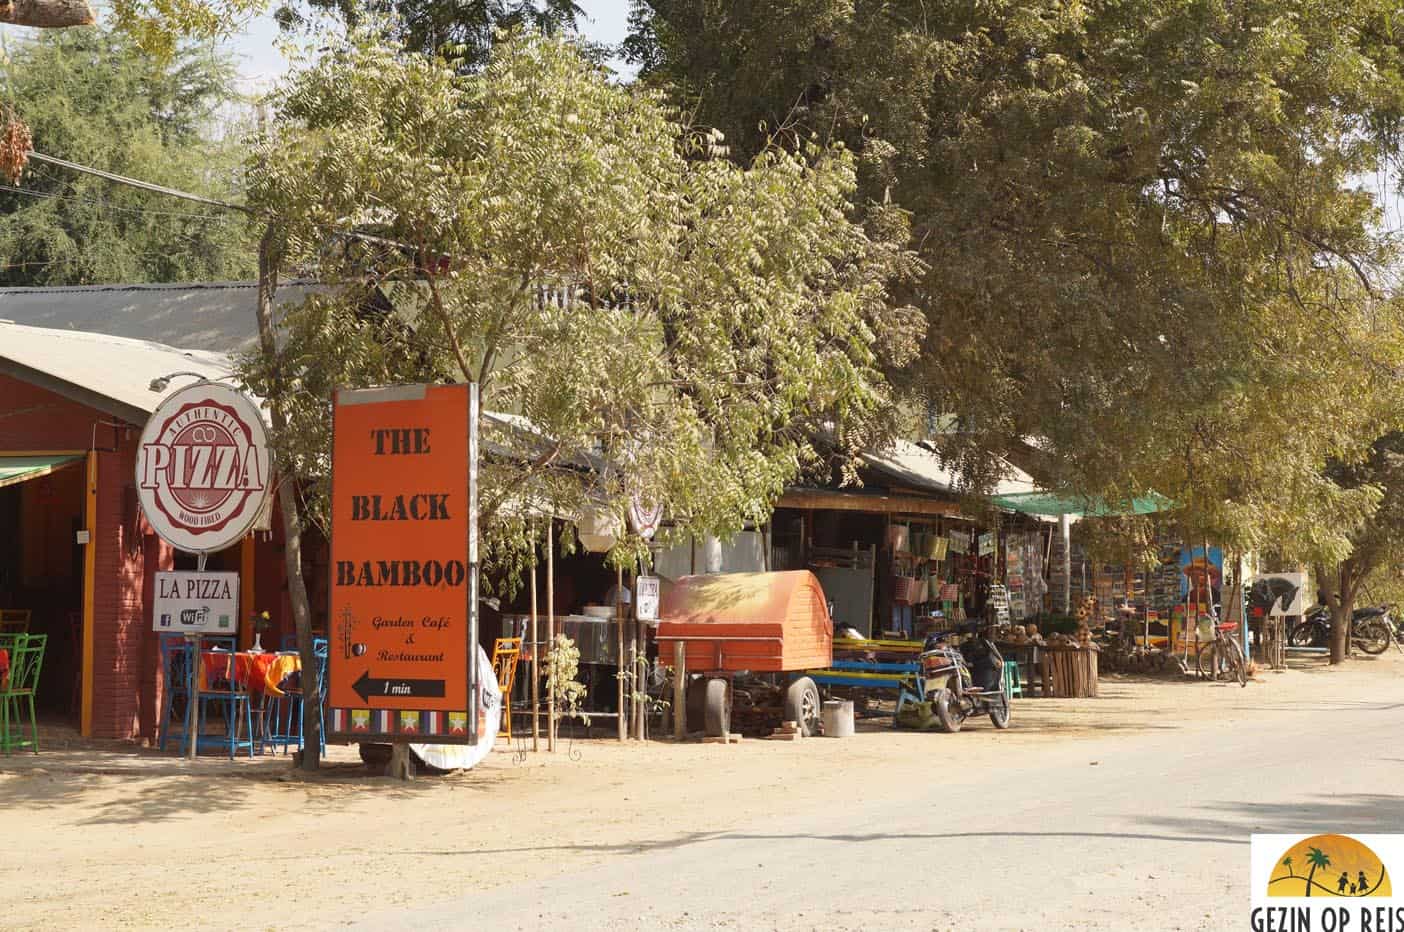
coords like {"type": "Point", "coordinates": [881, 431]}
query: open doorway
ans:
{"type": "Point", "coordinates": [41, 568]}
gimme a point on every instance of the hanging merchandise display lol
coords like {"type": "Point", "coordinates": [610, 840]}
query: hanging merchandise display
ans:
{"type": "Point", "coordinates": [998, 602]}
{"type": "Point", "coordinates": [936, 546]}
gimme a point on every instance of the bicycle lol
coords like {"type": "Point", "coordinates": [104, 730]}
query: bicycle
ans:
{"type": "Point", "coordinates": [1222, 658]}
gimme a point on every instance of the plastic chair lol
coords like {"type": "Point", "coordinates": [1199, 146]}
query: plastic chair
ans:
{"type": "Point", "coordinates": [233, 702]}
{"type": "Point", "coordinates": [505, 654]}
{"type": "Point", "coordinates": [1012, 686]}
{"type": "Point", "coordinates": [175, 675]}
{"type": "Point", "coordinates": [230, 699]}
{"type": "Point", "coordinates": [26, 662]}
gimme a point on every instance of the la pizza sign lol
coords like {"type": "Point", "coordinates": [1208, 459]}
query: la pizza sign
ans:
{"type": "Point", "coordinates": [203, 466]}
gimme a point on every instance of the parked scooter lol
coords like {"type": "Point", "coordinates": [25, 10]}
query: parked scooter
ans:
{"type": "Point", "coordinates": [964, 681]}
{"type": "Point", "coordinates": [1371, 629]}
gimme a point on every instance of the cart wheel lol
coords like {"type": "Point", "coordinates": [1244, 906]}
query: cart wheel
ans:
{"type": "Point", "coordinates": [802, 706]}
{"type": "Point", "coordinates": [716, 708]}
{"type": "Point", "coordinates": [375, 755]}
{"type": "Point", "coordinates": [946, 713]}
{"type": "Point", "coordinates": [696, 706]}
{"type": "Point", "coordinates": [999, 715]}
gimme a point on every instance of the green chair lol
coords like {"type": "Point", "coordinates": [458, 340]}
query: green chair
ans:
{"type": "Point", "coordinates": [26, 661]}
{"type": "Point", "coordinates": [1012, 686]}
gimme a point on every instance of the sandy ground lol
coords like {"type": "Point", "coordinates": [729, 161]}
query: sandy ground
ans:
{"type": "Point", "coordinates": [126, 839]}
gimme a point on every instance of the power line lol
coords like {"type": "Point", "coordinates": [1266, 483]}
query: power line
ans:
{"type": "Point", "coordinates": [136, 183]}
{"type": "Point", "coordinates": [105, 205]}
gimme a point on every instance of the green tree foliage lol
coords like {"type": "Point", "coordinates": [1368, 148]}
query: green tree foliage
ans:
{"type": "Point", "coordinates": [91, 96]}
{"type": "Point", "coordinates": [1377, 543]}
{"type": "Point", "coordinates": [1146, 240]}
{"type": "Point", "coordinates": [652, 321]}
{"type": "Point", "coordinates": [434, 26]}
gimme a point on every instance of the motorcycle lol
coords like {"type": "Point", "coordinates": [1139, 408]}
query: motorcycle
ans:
{"type": "Point", "coordinates": [1371, 629]}
{"type": "Point", "coordinates": [964, 681]}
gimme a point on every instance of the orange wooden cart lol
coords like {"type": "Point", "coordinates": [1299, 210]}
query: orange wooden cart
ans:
{"type": "Point", "coordinates": [747, 640]}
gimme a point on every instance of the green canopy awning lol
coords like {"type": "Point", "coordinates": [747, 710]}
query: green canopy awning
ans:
{"type": "Point", "coordinates": [17, 469]}
{"type": "Point", "coordinates": [1048, 503]}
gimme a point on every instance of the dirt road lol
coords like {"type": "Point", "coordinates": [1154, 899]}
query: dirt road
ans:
{"type": "Point", "coordinates": [1129, 811]}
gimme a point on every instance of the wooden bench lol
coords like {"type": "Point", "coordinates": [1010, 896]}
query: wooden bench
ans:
{"type": "Point", "coordinates": [902, 677]}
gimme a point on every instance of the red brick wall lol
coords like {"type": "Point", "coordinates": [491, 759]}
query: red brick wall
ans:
{"type": "Point", "coordinates": [126, 652]}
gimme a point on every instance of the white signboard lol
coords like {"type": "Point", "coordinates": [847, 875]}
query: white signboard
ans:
{"type": "Point", "coordinates": [188, 602]}
{"type": "Point", "coordinates": [647, 598]}
{"type": "Point", "coordinates": [986, 544]}
{"type": "Point", "coordinates": [1276, 594]}
{"type": "Point", "coordinates": [202, 468]}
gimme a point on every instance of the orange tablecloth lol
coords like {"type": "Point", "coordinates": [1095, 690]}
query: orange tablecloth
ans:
{"type": "Point", "coordinates": [259, 673]}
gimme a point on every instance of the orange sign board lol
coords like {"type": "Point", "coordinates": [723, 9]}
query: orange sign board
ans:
{"type": "Point", "coordinates": [402, 579]}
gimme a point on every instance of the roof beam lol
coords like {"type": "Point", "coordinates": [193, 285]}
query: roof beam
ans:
{"type": "Point", "coordinates": [872, 503]}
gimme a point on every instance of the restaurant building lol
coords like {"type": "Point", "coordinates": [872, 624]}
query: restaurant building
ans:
{"type": "Point", "coordinates": [77, 557]}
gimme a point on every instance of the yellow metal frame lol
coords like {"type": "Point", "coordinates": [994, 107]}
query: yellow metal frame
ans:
{"type": "Point", "coordinates": [911, 647]}
{"type": "Point", "coordinates": [505, 654]}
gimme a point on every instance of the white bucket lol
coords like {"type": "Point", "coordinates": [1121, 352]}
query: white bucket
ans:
{"type": "Point", "coordinates": [837, 715]}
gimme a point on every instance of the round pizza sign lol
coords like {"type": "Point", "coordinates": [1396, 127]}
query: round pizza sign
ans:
{"type": "Point", "coordinates": [203, 467]}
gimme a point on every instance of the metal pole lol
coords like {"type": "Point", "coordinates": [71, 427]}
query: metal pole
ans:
{"type": "Point", "coordinates": [550, 634]}
{"type": "Point", "coordinates": [535, 660]}
{"type": "Point", "coordinates": [619, 657]}
{"type": "Point", "coordinates": [473, 671]}
{"type": "Point", "coordinates": [192, 712]}
{"type": "Point", "coordinates": [679, 690]}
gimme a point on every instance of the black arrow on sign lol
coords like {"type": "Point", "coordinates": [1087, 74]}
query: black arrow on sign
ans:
{"type": "Point", "coordinates": [368, 686]}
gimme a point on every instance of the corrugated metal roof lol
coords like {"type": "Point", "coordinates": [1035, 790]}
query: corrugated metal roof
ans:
{"type": "Point", "coordinates": [918, 467]}
{"type": "Point", "coordinates": [110, 373]}
{"type": "Point", "coordinates": [211, 315]}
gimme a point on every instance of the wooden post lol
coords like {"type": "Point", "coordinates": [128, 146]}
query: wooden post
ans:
{"type": "Point", "coordinates": [619, 657]}
{"type": "Point", "coordinates": [401, 765]}
{"type": "Point", "coordinates": [679, 690]}
{"type": "Point", "coordinates": [535, 661]}
{"type": "Point", "coordinates": [550, 633]}
{"type": "Point", "coordinates": [85, 716]}
{"type": "Point", "coordinates": [192, 717]}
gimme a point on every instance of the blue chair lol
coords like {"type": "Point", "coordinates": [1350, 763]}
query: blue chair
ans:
{"type": "Point", "coordinates": [1012, 686]}
{"type": "Point", "coordinates": [175, 673]}
{"type": "Point", "coordinates": [229, 699]}
{"type": "Point", "coordinates": [284, 723]}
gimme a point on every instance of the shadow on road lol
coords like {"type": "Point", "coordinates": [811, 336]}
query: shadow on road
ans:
{"type": "Point", "coordinates": [1361, 812]}
{"type": "Point", "coordinates": [697, 838]}
{"type": "Point", "coordinates": [166, 791]}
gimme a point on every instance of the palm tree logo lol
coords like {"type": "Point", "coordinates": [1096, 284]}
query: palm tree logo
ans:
{"type": "Point", "coordinates": [1316, 858]}
{"type": "Point", "coordinates": [1360, 868]}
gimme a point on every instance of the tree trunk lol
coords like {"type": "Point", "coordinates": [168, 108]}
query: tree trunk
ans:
{"type": "Point", "coordinates": [46, 14]}
{"type": "Point", "coordinates": [292, 515]}
{"type": "Point", "coordinates": [1341, 616]}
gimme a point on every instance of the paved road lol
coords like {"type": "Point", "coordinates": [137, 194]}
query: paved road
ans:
{"type": "Point", "coordinates": [1138, 831]}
